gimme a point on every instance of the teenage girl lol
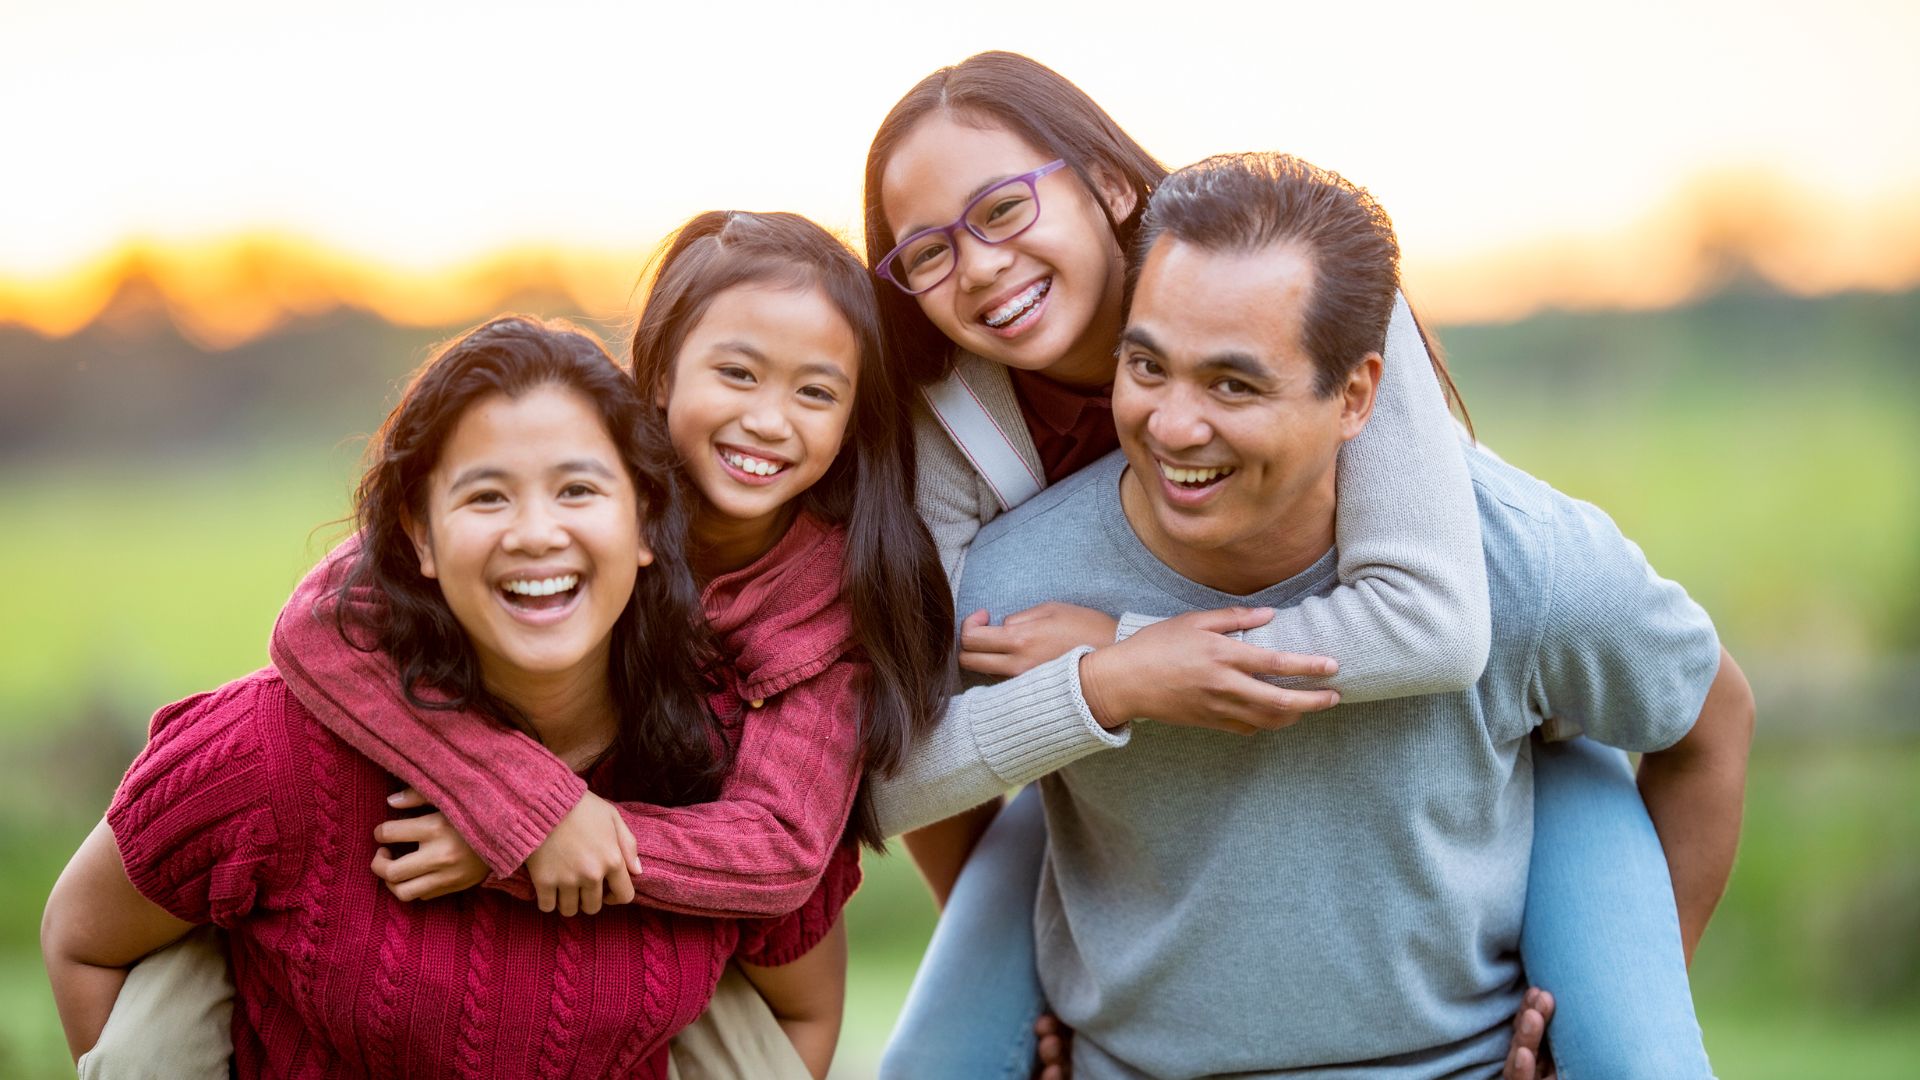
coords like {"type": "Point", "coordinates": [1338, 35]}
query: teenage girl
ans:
{"type": "Point", "coordinates": [521, 554]}
{"type": "Point", "coordinates": [1001, 202]}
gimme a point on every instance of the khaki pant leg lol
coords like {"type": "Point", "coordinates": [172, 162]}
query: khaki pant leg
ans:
{"type": "Point", "coordinates": [173, 1019]}
{"type": "Point", "coordinates": [737, 1038]}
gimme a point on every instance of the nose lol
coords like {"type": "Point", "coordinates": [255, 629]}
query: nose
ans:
{"type": "Point", "coordinates": [981, 263]}
{"type": "Point", "coordinates": [1179, 421]}
{"type": "Point", "coordinates": [766, 419]}
{"type": "Point", "coordinates": [536, 530]}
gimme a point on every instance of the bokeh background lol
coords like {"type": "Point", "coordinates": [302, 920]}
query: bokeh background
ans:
{"type": "Point", "coordinates": [1673, 251]}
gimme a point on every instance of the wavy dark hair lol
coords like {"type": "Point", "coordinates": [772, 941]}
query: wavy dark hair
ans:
{"type": "Point", "coordinates": [1052, 115]}
{"type": "Point", "coordinates": [667, 748]}
{"type": "Point", "coordinates": [902, 609]}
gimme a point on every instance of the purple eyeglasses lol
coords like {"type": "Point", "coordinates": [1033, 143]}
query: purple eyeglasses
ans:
{"type": "Point", "coordinates": [997, 215]}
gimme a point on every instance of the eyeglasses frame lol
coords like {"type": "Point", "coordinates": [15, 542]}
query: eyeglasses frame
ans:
{"type": "Point", "coordinates": [1030, 179]}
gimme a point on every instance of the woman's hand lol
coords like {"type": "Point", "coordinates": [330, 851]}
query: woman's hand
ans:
{"type": "Point", "coordinates": [1184, 671]}
{"type": "Point", "coordinates": [1027, 639]}
{"type": "Point", "coordinates": [442, 862]}
{"type": "Point", "coordinates": [1524, 1059]}
{"type": "Point", "coordinates": [587, 859]}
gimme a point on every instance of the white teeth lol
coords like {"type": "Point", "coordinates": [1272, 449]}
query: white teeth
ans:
{"type": "Point", "coordinates": [1192, 476]}
{"type": "Point", "coordinates": [544, 586]}
{"type": "Point", "coordinates": [1018, 306]}
{"type": "Point", "coordinates": [754, 465]}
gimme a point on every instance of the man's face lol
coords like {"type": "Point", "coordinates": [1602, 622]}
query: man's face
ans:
{"type": "Point", "coordinates": [1231, 450]}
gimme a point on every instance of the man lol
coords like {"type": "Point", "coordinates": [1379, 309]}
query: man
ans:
{"type": "Point", "coordinates": [1343, 897]}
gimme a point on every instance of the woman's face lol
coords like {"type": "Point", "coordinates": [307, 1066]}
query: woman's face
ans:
{"type": "Point", "coordinates": [533, 531]}
{"type": "Point", "coordinates": [1047, 300]}
{"type": "Point", "coordinates": [758, 406]}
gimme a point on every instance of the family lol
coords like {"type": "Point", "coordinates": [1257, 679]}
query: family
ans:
{"type": "Point", "coordinates": [1137, 490]}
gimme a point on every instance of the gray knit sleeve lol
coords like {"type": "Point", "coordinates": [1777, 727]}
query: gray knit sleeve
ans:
{"type": "Point", "coordinates": [1410, 616]}
{"type": "Point", "coordinates": [991, 740]}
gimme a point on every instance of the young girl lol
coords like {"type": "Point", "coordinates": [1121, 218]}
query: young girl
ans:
{"type": "Point", "coordinates": [520, 555]}
{"type": "Point", "coordinates": [1001, 204]}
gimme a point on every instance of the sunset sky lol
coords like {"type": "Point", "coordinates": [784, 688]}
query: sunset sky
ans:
{"type": "Point", "coordinates": [1520, 146]}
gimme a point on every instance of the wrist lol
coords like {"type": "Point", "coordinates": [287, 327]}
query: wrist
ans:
{"type": "Point", "coordinates": [1097, 690]}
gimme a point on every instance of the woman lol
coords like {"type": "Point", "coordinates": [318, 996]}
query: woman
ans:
{"type": "Point", "coordinates": [523, 546]}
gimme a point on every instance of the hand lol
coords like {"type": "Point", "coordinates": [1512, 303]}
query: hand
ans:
{"type": "Point", "coordinates": [1053, 1049]}
{"type": "Point", "coordinates": [1184, 671]}
{"type": "Point", "coordinates": [442, 862]}
{"type": "Point", "coordinates": [1027, 639]}
{"type": "Point", "coordinates": [588, 858]}
{"type": "Point", "coordinates": [1524, 1058]}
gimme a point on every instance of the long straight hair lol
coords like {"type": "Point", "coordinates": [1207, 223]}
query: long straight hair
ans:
{"type": "Point", "coordinates": [1049, 113]}
{"type": "Point", "coordinates": [667, 749]}
{"type": "Point", "coordinates": [902, 609]}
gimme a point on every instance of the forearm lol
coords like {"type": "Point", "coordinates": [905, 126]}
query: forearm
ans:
{"type": "Point", "coordinates": [502, 791]}
{"type": "Point", "coordinates": [84, 995]}
{"type": "Point", "coordinates": [940, 850]}
{"type": "Point", "coordinates": [1695, 793]}
{"type": "Point", "coordinates": [808, 997]}
{"type": "Point", "coordinates": [991, 740]}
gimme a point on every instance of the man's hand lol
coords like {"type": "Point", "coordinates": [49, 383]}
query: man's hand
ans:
{"type": "Point", "coordinates": [587, 859]}
{"type": "Point", "coordinates": [1183, 671]}
{"type": "Point", "coordinates": [1524, 1059]}
{"type": "Point", "coordinates": [441, 863]}
{"type": "Point", "coordinates": [1027, 639]}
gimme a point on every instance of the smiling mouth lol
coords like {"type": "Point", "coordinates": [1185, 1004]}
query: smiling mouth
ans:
{"type": "Point", "coordinates": [1194, 479]}
{"type": "Point", "coordinates": [541, 594]}
{"type": "Point", "coordinates": [751, 464]}
{"type": "Point", "coordinates": [1016, 308]}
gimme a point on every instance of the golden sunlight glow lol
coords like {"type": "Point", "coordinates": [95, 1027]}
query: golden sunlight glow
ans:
{"type": "Point", "coordinates": [231, 166]}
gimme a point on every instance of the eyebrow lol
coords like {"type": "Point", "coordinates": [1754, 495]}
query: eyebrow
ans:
{"type": "Point", "coordinates": [1240, 363]}
{"type": "Point", "coordinates": [817, 368]}
{"type": "Point", "coordinates": [985, 186]}
{"type": "Point", "coordinates": [480, 473]}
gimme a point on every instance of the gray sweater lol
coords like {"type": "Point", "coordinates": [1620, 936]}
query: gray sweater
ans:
{"type": "Point", "coordinates": [1344, 897]}
{"type": "Point", "coordinates": [1408, 616]}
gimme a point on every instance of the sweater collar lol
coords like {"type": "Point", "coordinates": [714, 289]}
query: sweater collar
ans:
{"type": "Point", "coordinates": [781, 619]}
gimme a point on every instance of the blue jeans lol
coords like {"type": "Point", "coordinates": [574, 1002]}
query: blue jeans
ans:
{"type": "Point", "coordinates": [1600, 933]}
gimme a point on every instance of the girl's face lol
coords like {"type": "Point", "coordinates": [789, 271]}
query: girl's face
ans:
{"type": "Point", "coordinates": [757, 409]}
{"type": "Point", "coordinates": [532, 530]}
{"type": "Point", "coordinates": [1047, 300]}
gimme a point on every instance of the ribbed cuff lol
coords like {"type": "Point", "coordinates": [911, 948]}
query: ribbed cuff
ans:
{"type": "Point", "coordinates": [524, 828]}
{"type": "Point", "coordinates": [1131, 624]}
{"type": "Point", "coordinates": [1034, 724]}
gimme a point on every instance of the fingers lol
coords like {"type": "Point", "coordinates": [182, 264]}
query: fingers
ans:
{"type": "Point", "coordinates": [410, 830]}
{"type": "Point", "coordinates": [546, 897]}
{"type": "Point", "coordinates": [1227, 620]}
{"type": "Point", "coordinates": [590, 897]}
{"type": "Point", "coordinates": [983, 638]}
{"type": "Point", "coordinates": [1292, 664]}
{"type": "Point", "coordinates": [569, 897]}
{"type": "Point", "coordinates": [1003, 665]}
{"type": "Point", "coordinates": [406, 799]}
{"type": "Point", "coordinates": [629, 849]}
{"type": "Point", "coordinates": [978, 618]}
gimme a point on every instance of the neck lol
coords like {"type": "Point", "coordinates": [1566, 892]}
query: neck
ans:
{"type": "Point", "coordinates": [1300, 535]}
{"type": "Point", "coordinates": [572, 712]}
{"type": "Point", "coordinates": [721, 545]}
{"type": "Point", "coordinates": [1090, 362]}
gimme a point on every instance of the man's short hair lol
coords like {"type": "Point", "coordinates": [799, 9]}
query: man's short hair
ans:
{"type": "Point", "coordinates": [1243, 203]}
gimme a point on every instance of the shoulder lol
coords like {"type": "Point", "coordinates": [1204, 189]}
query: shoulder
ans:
{"type": "Point", "coordinates": [1077, 500]}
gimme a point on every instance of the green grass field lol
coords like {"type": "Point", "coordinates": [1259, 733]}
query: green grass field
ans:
{"type": "Point", "coordinates": [1794, 517]}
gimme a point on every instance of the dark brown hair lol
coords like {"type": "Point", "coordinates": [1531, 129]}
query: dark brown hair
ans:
{"type": "Point", "coordinates": [1247, 202]}
{"type": "Point", "coordinates": [1042, 108]}
{"type": "Point", "coordinates": [902, 609]}
{"type": "Point", "coordinates": [667, 749]}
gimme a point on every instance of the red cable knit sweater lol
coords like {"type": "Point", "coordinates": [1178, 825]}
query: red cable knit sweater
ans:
{"type": "Point", "coordinates": [245, 811]}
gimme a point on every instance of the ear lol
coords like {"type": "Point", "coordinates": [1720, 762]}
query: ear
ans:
{"type": "Point", "coordinates": [422, 544]}
{"type": "Point", "coordinates": [1358, 395]}
{"type": "Point", "coordinates": [643, 550]}
{"type": "Point", "coordinates": [1114, 191]}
